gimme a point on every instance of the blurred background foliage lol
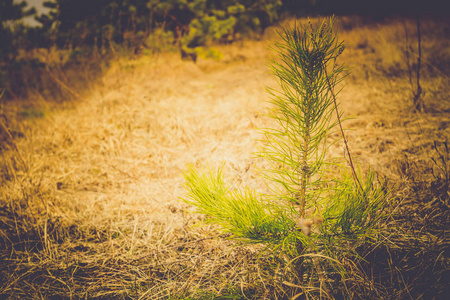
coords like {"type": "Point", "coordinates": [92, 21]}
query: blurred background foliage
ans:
{"type": "Point", "coordinates": [83, 29]}
{"type": "Point", "coordinates": [72, 24]}
{"type": "Point", "coordinates": [91, 29]}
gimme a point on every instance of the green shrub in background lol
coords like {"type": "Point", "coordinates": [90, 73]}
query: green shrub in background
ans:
{"type": "Point", "coordinates": [319, 209]}
{"type": "Point", "coordinates": [197, 23]}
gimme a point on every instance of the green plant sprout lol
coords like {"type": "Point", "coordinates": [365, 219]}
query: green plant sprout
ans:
{"type": "Point", "coordinates": [316, 202]}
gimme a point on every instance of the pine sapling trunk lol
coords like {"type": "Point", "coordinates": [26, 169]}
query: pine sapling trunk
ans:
{"type": "Point", "coordinates": [304, 170]}
{"type": "Point", "coordinates": [305, 174]}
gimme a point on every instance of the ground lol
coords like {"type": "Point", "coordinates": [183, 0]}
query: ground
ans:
{"type": "Point", "coordinates": [91, 187]}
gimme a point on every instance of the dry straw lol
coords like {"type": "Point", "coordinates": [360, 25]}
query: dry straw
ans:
{"type": "Point", "coordinates": [96, 213]}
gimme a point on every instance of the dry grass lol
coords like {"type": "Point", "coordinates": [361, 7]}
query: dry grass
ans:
{"type": "Point", "coordinates": [93, 210]}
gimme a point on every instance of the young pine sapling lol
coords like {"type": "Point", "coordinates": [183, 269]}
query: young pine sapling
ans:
{"type": "Point", "coordinates": [307, 186]}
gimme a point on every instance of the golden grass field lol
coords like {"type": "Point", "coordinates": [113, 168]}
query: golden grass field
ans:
{"type": "Point", "coordinates": [90, 188]}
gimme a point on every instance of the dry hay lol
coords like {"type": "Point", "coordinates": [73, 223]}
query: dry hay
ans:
{"type": "Point", "coordinates": [95, 211]}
